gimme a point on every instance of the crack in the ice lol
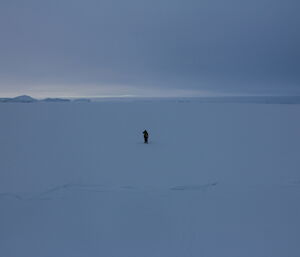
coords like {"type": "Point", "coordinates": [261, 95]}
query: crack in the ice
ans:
{"type": "Point", "coordinates": [16, 196]}
{"type": "Point", "coordinates": [193, 187]}
{"type": "Point", "coordinates": [97, 188]}
{"type": "Point", "coordinates": [52, 190]}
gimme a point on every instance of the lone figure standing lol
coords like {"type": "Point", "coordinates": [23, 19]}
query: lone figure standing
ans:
{"type": "Point", "coordinates": [146, 135]}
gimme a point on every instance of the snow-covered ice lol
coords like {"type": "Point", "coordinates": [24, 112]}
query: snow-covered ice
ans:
{"type": "Point", "coordinates": [216, 179]}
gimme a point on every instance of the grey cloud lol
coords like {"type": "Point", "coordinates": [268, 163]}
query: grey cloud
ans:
{"type": "Point", "coordinates": [217, 45]}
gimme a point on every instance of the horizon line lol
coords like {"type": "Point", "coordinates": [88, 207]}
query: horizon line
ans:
{"type": "Point", "coordinates": [140, 96]}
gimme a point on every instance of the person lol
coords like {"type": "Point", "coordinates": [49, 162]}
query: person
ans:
{"type": "Point", "coordinates": [146, 136]}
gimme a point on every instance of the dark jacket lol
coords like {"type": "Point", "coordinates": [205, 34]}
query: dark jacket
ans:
{"type": "Point", "coordinates": [146, 135]}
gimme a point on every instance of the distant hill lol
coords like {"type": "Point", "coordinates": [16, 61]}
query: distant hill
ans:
{"type": "Point", "coordinates": [19, 99]}
{"type": "Point", "coordinates": [82, 100]}
{"type": "Point", "coordinates": [57, 100]}
{"type": "Point", "coordinates": [29, 99]}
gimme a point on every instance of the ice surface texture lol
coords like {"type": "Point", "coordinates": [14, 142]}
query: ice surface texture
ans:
{"type": "Point", "coordinates": [215, 180]}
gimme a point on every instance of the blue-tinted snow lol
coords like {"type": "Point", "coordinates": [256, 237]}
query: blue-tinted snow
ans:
{"type": "Point", "coordinates": [216, 180]}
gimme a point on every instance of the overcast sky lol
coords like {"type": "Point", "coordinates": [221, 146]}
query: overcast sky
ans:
{"type": "Point", "coordinates": [149, 48]}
